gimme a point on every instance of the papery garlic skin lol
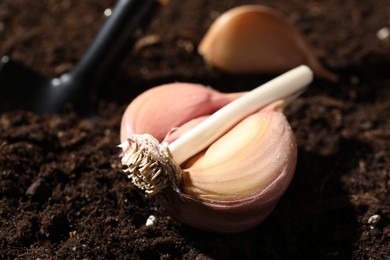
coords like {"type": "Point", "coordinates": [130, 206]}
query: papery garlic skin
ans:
{"type": "Point", "coordinates": [234, 183]}
{"type": "Point", "coordinates": [257, 39]}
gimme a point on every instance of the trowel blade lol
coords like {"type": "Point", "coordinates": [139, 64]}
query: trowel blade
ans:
{"type": "Point", "coordinates": [20, 85]}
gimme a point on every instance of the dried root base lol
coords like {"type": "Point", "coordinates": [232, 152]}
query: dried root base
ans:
{"type": "Point", "coordinates": [150, 164]}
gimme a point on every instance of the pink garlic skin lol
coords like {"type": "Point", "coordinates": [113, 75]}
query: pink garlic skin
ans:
{"type": "Point", "coordinates": [182, 106]}
{"type": "Point", "coordinates": [158, 111]}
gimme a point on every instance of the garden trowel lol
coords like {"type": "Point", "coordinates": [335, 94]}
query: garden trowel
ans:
{"type": "Point", "coordinates": [80, 87]}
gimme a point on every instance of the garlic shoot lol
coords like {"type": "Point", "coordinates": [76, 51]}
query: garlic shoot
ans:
{"type": "Point", "coordinates": [257, 39]}
{"type": "Point", "coordinates": [290, 83]}
{"type": "Point", "coordinates": [154, 166]}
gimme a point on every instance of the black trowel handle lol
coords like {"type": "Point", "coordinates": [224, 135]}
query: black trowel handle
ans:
{"type": "Point", "coordinates": [81, 85]}
{"type": "Point", "coordinates": [112, 41]}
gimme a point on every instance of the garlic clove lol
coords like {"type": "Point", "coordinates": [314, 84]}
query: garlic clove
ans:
{"type": "Point", "coordinates": [263, 144]}
{"type": "Point", "coordinates": [235, 183]}
{"type": "Point", "coordinates": [159, 110]}
{"type": "Point", "coordinates": [257, 39]}
{"type": "Point", "coordinates": [237, 178]}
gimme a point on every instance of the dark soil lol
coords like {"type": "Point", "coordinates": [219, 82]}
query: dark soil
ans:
{"type": "Point", "coordinates": [62, 192]}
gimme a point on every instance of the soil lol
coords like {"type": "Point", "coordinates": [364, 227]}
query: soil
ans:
{"type": "Point", "coordinates": [62, 192]}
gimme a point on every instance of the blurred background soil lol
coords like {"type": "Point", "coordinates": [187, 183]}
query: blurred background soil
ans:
{"type": "Point", "coordinates": [62, 193]}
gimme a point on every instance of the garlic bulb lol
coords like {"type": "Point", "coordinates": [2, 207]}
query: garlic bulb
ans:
{"type": "Point", "coordinates": [223, 171]}
{"type": "Point", "coordinates": [257, 39]}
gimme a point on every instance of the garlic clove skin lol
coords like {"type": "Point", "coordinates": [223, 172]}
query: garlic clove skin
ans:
{"type": "Point", "coordinates": [263, 144]}
{"type": "Point", "coordinates": [159, 110]}
{"type": "Point", "coordinates": [236, 182]}
{"type": "Point", "coordinates": [257, 39]}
